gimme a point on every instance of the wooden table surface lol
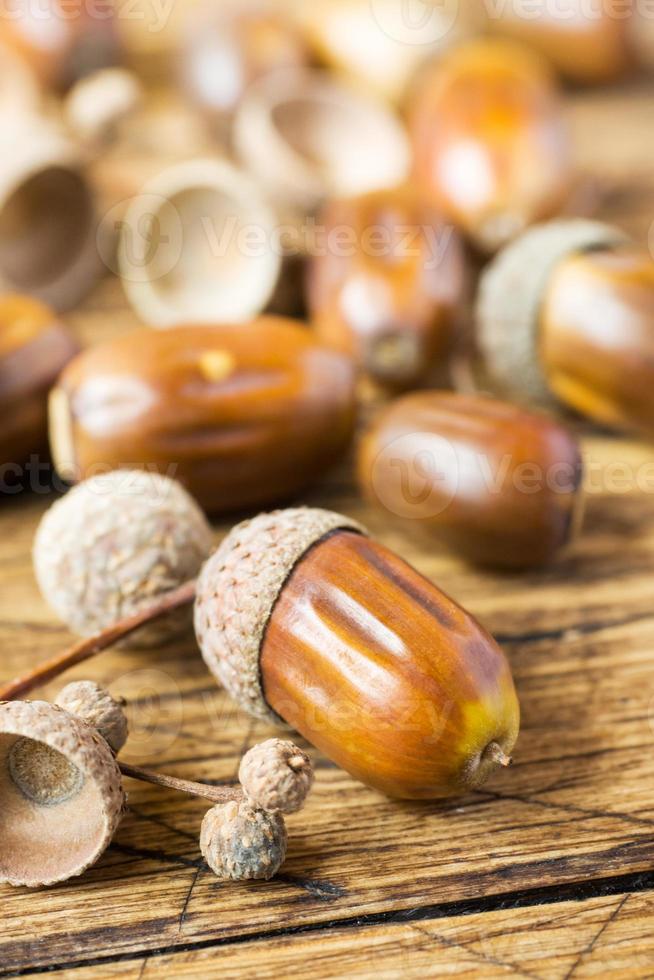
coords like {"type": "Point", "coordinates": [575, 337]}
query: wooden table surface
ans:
{"type": "Point", "coordinates": [547, 873]}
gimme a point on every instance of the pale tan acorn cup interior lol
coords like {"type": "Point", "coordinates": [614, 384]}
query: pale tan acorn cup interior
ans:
{"type": "Point", "coordinates": [43, 844]}
{"type": "Point", "coordinates": [305, 136]}
{"type": "Point", "coordinates": [198, 246]}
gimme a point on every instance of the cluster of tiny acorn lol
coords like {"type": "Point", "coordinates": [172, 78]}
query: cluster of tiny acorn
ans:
{"type": "Point", "coordinates": [59, 749]}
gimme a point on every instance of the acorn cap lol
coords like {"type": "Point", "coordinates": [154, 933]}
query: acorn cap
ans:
{"type": "Point", "coordinates": [510, 296]}
{"type": "Point", "coordinates": [238, 588]}
{"type": "Point", "coordinates": [61, 797]}
{"type": "Point", "coordinates": [95, 705]}
{"type": "Point", "coordinates": [114, 544]}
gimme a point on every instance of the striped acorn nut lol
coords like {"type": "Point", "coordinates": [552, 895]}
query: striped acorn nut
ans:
{"type": "Point", "coordinates": [499, 485]}
{"type": "Point", "coordinates": [61, 794]}
{"type": "Point", "coordinates": [566, 314]}
{"type": "Point", "coordinates": [395, 301]}
{"type": "Point", "coordinates": [490, 141]}
{"type": "Point", "coordinates": [305, 619]}
{"type": "Point", "coordinates": [241, 414]}
{"type": "Point", "coordinates": [34, 348]}
{"type": "Point", "coordinates": [116, 543]}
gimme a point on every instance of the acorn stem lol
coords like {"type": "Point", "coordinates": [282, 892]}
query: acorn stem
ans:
{"type": "Point", "coordinates": [90, 646]}
{"type": "Point", "coordinates": [217, 794]}
{"type": "Point", "coordinates": [498, 755]}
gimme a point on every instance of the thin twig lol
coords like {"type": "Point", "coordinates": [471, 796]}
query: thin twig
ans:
{"type": "Point", "coordinates": [92, 645]}
{"type": "Point", "coordinates": [217, 794]}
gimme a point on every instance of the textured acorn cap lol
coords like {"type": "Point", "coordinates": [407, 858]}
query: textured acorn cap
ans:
{"type": "Point", "coordinates": [95, 705]}
{"type": "Point", "coordinates": [61, 797]}
{"type": "Point", "coordinates": [276, 776]}
{"type": "Point", "coordinates": [510, 297]}
{"type": "Point", "coordinates": [238, 588]}
{"type": "Point", "coordinates": [240, 842]}
{"type": "Point", "coordinates": [113, 545]}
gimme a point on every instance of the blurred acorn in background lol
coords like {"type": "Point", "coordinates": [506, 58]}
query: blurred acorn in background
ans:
{"type": "Point", "coordinates": [62, 40]}
{"type": "Point", "coordinates": [229, 46]}
{"type": "Point", "coordinates": [34, 347]}
{"type": "Point", "coordinates": [567, 312]}
{"type": "Point", "coordinates": [388, 285]}
{"type": "Point", "coordinates": [499, 485]}
{"type": "Point", "coordinates": [240, 414]}
{"type": "Point", "coordinates": [491, 145]}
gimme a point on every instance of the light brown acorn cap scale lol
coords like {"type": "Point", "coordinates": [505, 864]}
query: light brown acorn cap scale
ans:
{"type": "Point", "coordinates": [238, 588]}
{"type": "Point", "coordinates": [45, 843]}
{"type": "Point", "coordinates": [511, 293]}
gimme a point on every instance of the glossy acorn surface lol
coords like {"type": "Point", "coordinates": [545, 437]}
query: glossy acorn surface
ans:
{"type": "Point", "coordinates": [34, 347]}
{"type": "Point", "coordinates": [241, 415]}
{"type": "Point", "coordinates": [491, 145]}
{"type": "Point", "coordinates": [597, 336]}
{"type": "Point", "coordinates": [385, 674]}
{"type": "Point", "coordinates": [498, 485]}
{"type": "Point", "coordinates": [392, 295]}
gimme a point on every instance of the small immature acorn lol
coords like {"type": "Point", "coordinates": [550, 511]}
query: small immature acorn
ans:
{"type": "Point", "coordinates": [95, 705]}
{"type": "Point", "coordinates": [303, 618]}
{"type": "Point", "coordinates": [276, 776]}
{"type": "Point", "coordinates": [240, 841]}
{"type": "Point", "coordinates": [491, 145]}
{"type": "Point", "coordinates": [34, 348]}
{"type": "Point", "coordinates": [566, 313]}
{"type": "Point", "coordinates": [394, 298]}
{"type": "Point", "coordinates": [243, 414]}
{"type": "Point", "coordinates": [61, 795]}
{"type": "Point", "coordinates": [116, 543]}
{"type": "Point", "coordinates": [498, 484]}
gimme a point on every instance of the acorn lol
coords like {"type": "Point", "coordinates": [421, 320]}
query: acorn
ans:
{"type": "Point", "coordinates": [491, 145]}
{"type": "Point", "coordinates": [240, 842]}
{"type": "Point", "coordinates": [305, 619]}
{"type": "Point", "coordinates": [95, 705]}
{"type": "Point", "coordinates": [116, 543]}
{"type": "Point", "coordinates": [61, 796]}
{"type": "Point", "coordinates": [499, 485]}
{"type": "Point", "coordinates": [393, 296]}
{"type": "Point", "coordinates": [588, 43]}
{"type": "Point", "coordinates": [276, 776]}
{"type": "Point", "coordinates": [34, 347]}
{"type": "Point", "coordinates": [566, 315]}
{"type": "Point", "coordinates": [241, 414]}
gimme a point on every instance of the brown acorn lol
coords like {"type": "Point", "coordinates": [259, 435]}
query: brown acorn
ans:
{"type": "Point", "coordinates": [567, 313]}
{"type": "Point", "coordinates": [304, 618]}
{"type": "Point", "coordinates": [239, 414]}
{"type": "Point", "coordinates": [34, 347]}
{"type": "Point", "coordinates": [393, 295]}
{"type": "Point", "coordinates": [499, 485]}
{"type": "Point", "coordinates": [491, 145]}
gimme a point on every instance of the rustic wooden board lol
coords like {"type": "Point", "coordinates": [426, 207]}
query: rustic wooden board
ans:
{"type": "Point", "coordinates": [531, 876]}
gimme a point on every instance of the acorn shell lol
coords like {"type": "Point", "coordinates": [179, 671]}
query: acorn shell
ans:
{"type": "Point", "coordinates": [510, 296]}
{"type": "Point", "coordinates": [238, 588]}
{"type": "Point", "coordinates": [47, 844]}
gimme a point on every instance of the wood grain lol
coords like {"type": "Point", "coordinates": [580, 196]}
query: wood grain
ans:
{"type": "Point", "coordinates": [531, 876]}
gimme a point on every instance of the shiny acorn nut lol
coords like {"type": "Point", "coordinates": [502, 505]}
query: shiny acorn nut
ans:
{"type": "Point", "coordinates": [226, 49]}
{"type": "Point", "coordinates": [589, 44]}
{"type": "Point", "coordinates": [567, 313]}
{"type": "Point", "coordinates": [241, 414]}
{"type": "Point", "coordinates": [304, 618]}
{"type": "Point", "coordinates": [61, 794]}
{"type": "Point", "coordinates": [491, 145]}
{"type": "Point", "coordinates": [34, 348]}
{"type": "Point", "coordinates": [63, 40]}
{"type": "Point", "coordinates": [499, 485]}
{"type": "Point", "coordinates": [393, 296]}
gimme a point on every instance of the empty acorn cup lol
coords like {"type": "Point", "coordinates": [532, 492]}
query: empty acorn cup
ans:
{"type": "Point", "coordinates": [305, 137]}
{"type": "Point", "coordinates": [197, 245]}
{"type": "Point", "coordinates": [61, 797]}
{"type": "Point", "coordinates": [47, 215]}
